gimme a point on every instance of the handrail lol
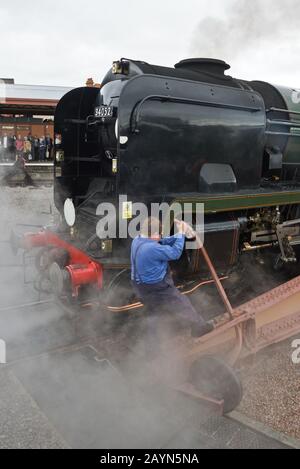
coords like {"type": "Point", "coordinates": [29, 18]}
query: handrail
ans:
{"type": "Point", "coordinates": [283, 123]}
{"type": "Point", "coordinates": [287, 111]}
{"type": "Point", "coordinates": [283, 134]}
{"type": "Point", "coordinates": [174, 99]}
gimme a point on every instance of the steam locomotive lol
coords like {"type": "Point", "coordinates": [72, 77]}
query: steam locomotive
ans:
{"type": "Point", "coordinates": [188, 134]}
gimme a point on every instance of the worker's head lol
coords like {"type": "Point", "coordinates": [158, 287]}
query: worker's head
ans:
{"type": "Point", "coordinates": [152, 228]}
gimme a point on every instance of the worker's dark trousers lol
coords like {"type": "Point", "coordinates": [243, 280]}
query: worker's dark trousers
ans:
{"type": "Point", "coordinates": [164, 297]}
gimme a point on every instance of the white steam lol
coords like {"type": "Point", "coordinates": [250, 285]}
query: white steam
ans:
{"type": "Point", "coordinates": [256, 35]}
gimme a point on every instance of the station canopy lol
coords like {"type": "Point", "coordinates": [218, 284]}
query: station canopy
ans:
{"type": "Point", "coordinates": [31, 100]}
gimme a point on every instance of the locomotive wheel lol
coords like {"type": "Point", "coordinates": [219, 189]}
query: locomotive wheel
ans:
{"type": "Point", "coordinates": [214, 378]}
{"type": "Point", "coordinates": [119, 292]}
{"type": "Point", "coordinates": [42, 260]}
{"type": "Point", "coordinates": [57, 279]}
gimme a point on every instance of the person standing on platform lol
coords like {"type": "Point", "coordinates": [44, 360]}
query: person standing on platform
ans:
{"type": "Point", "coordinates": [5, 147]}
{"type": "Point", "coordinates": [35, 148]}
{"type": "Point", "coordinates": [49, 144]}
{"type": "Point", "coordinates": [19, 147]}
{"type": "Point", "coordinates": [1, 150]}
{"type": "Point", "coordinates": [43, 148]}
{"type": "Point", "coordinates": [27, 149]}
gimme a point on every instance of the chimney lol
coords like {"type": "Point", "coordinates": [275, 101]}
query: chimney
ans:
{"type": "Point", "coordinates": [212, 66]}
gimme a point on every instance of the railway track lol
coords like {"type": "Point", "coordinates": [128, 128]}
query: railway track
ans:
{"type": "Point", "coordinates": [40, 173]}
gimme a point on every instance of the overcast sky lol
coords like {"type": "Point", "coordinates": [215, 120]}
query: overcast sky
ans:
{"type": "Point", "coordinates": [63, 42]}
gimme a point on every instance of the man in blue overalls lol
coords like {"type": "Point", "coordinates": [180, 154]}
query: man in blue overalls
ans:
{"type": "Point", "coordinates": [151, 277]}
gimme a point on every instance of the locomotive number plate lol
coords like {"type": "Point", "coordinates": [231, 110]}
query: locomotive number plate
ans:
{"type": "Point", "coordinates": [104, 111]}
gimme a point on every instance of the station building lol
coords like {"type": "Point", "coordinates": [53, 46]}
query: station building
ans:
{"type": "Point", "coordinates": [28, 109]}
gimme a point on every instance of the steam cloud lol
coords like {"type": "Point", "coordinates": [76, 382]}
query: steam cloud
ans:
{"type": "Point", "coordinates": [248, 25]}
{"type": "Point", "coordinates": [88, 404]}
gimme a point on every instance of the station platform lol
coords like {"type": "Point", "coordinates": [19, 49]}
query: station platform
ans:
{"type": "Point", "coordinates": [40, 172]}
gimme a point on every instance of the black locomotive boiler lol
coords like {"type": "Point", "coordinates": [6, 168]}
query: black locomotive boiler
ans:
{"type": "Point", "coordinates": [188, 134]}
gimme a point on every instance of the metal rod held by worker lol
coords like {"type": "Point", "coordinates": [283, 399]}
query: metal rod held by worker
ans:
{"type": "Point", "coordinates": [215, 276]}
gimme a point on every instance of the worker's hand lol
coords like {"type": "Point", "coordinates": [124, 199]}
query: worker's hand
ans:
{"type": "Point", "coordinates": [179, 226]}
{"type": "Point", "coordinates": [185, 229]}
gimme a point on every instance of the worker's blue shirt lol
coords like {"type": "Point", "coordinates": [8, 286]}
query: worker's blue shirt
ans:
{"type": "Point", "coordinates": [149, 259]}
